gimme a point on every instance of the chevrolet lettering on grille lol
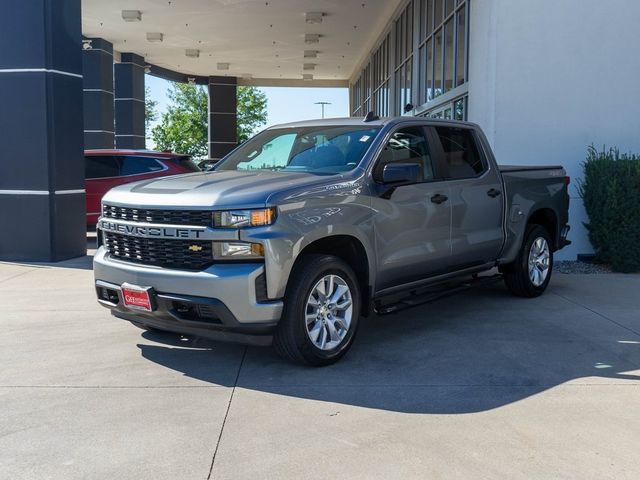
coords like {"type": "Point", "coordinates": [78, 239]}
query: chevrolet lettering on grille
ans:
{"type": "Point", "coordinates": [150, 231]}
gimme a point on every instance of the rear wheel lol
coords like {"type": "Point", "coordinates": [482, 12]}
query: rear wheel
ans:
{"type": "Point", "coordinates": [321, 310]}
{"type": "Point", "coordinates": [530, 274]}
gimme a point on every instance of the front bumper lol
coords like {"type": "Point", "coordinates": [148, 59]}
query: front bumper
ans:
{"type": "Point", "coordinates": [226, 293]}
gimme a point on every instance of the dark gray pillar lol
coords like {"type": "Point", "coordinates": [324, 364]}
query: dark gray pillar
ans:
{"type": "Point", "coordinates": [223, 115]}
{"type": "Point", "coordinates": [42, 200]}
{"type": "Point", "coordinates": [97, 70]}
{"type": "Point", "coordinates": [129, 101]}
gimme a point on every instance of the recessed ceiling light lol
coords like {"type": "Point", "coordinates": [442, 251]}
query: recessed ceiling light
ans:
{"type": "Point", "coordinates": [154, 37]}
{"type": "Point", "coordinates": [310, 53]}
{"type": "Point", "coordinates": [313, 17]}
{"type": "Point", "coordinates": [222, 66]}
{"type": "Point", "coordinates": [192, 52]}
{"type": "Point", "coordinates": [309, 66]}
{"type": "Point", "coordinates": [307, 76]}
{"type": "Point", "coordinates": [131, 15]}
{"type": "Point", "coordinates": [311, 38]}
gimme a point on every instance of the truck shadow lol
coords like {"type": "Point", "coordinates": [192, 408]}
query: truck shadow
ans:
{"type": "Point", "coordinates": [464, 354]}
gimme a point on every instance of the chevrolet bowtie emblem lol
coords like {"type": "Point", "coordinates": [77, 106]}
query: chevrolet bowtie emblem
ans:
{"type": "Point", "coordinates": [195, 248]}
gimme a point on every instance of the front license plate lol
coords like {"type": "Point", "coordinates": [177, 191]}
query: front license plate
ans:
{"type": "Point", "coordinates": [136, 297]}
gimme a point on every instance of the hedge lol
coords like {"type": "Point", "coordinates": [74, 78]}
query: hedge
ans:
{"type": "Point", "coordinates": [610, 190]}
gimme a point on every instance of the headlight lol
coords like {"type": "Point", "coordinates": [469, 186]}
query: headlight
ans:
{"type": "Point", "coordinates": [244, 218]}
{"type": "Point", "coordinates": [237, 251]}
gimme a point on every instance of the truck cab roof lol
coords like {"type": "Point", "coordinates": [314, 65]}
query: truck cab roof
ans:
{"type": "Point", "coordinates": [382, 121]}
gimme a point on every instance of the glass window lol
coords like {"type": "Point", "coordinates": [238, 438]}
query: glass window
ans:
{"type": "Point", "coordinates": [449, 50]}
{"type": "Point", "coordinates": [423, 18]}
{"type": "Point", "coordinates": [448, 7]}
{"type": "Point", "coordinates": [429, 17]}
{"type": "Point", "coordinates": [408, 82]}
{"type": "Point", "coordinates": [272, 155]}
{"type": "Point", "coordinates": [429, 75]}
{"type": "Point", "coordinates": [459, 110]}
{"type": "Point", "coordinates": [318, 150]}
{"type": "Point", "coordinates": [408, 145]}
{"type": "Point", "coordinates": [131, 165]}
{"type": "Point", "coordinates": [101, 166]}
{"type": "Point", "coordinates": [438, 13]}
{"type": "Point", "coordinates": [462, 45]}
{"type": "Point", "coordinates": [460, 152]}
{"type": "Point", "coordinates": [437, 63]}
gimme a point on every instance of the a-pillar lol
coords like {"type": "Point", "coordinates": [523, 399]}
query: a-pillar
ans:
{"type": "Point", "coordinates": [129, 101]}
{"type": "Point", "coordinates": [223, 116]}
{"type": "Point", "coordinates": [42, 199]}
{"type": "Point", "coordinates": [97, 68]}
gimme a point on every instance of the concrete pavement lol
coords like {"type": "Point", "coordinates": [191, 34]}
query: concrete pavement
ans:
{"type": "Point", "coordinates": [478, 385]}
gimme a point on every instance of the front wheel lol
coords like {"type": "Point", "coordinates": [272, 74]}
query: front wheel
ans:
{"type": "Point", "coordinates": [321, 310]}
{"type": "Point", "coordinates": [530, 274]}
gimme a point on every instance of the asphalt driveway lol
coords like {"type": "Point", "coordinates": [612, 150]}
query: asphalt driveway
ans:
{"type": "Point", "coordinates": [477, 385]}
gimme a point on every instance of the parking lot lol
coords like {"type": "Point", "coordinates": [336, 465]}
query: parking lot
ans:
{"type": "Point", "coordinates": [477, 385]}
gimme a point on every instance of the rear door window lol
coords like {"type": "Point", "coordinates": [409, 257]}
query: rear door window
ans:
{"type": "Point", "coordinates": [132, 165]}
{"type": "Point", "coordinates": [460, 152]}
{"type": "Point", "coordinates": [101, 166]}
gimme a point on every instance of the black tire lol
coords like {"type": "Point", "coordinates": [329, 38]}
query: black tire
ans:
{"type": "Point", "coordinates": [291, 339]}
{"type": "Point", "coordinates": [516, 275]}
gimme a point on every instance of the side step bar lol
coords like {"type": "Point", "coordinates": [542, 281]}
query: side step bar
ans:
{"type": "Point", "coordinates": [415, 299]}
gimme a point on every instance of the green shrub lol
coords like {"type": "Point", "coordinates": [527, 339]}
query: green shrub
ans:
{"type": "Point", "coordinates": [611, 193]}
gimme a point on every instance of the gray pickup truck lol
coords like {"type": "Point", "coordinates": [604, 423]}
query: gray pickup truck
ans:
{"type": "Point", "coordinates": [308, 226]}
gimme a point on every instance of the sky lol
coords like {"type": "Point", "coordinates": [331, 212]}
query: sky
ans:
{"type": "Point", "coordinates": [284, 104]}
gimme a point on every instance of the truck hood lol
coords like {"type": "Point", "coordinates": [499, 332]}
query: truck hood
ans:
{"type": "Point", "coordinates": [220, 190]}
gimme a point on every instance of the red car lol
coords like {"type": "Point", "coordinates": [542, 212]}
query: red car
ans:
{"type": "Point", "coordinates": [105, 169]}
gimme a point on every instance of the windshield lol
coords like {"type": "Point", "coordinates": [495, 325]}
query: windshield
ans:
{"type": "Point", "coordinates": [321, 150]}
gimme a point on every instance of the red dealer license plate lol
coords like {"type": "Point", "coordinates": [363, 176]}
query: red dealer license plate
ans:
{"type": "Point", "coordinates": [136, 297]}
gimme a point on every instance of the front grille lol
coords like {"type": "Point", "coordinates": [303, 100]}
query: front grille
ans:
{"type": "Point", "coordinates": [169, 217]}
{"type": "Point", "coordinates": [179, 254]}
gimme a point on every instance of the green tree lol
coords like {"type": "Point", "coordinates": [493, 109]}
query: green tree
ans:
{"type": "Point", "coordinates": [252, 111]}
{"type": "Point", "coordinates": [184, 127]}
{"type": "Point", "coordinates": [150, 113]}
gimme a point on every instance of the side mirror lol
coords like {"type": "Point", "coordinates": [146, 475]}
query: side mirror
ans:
{"type": "Point", "coordinates": [402, 173]}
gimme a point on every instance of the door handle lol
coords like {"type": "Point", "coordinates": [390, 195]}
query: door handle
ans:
{"type": "Point", "coordinates": [438, 198]}
{"type": "Point", "coordinates": [493, 193]}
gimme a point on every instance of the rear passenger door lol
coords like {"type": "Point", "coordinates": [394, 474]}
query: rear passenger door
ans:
{"type": "Point", "coordinates": [411, 221]}
{"type": "Point", "coordinates": [475, 196]}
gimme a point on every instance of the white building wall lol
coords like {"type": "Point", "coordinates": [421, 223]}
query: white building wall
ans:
{"type": "Point", "coordinates": [547, 78]}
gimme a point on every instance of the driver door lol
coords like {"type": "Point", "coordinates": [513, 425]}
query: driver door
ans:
{"type": "Point", "coordinates": [412, 222]}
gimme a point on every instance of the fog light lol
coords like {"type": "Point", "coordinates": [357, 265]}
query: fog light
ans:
{"type": "Point", "coordinates": [237, 251]}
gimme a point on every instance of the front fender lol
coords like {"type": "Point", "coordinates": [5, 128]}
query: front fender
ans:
{"type": "Point", "coordinates": [300, 224]}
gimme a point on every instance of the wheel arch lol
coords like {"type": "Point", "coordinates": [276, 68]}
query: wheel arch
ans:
{"type": "Point", "coordinates": [352, 251]}
{"type": "Point", "coordinates": [547, 218]}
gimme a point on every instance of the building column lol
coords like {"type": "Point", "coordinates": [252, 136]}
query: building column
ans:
{"type": "Point", "coordinates": [42, 198]}
{"type": "Point", "coordinates": [223, 116]}
{"type": "Point", "coordinates": [97, 69]}
{"type": "Point", "coordinates": [129, 101]}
